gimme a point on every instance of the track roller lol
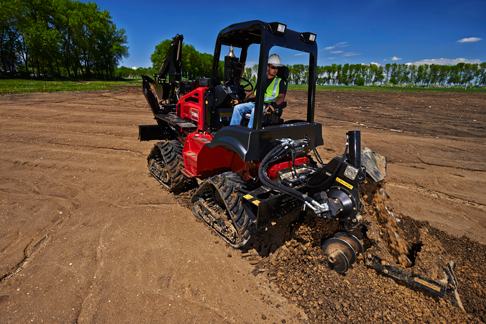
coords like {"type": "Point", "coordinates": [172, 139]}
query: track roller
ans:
{"type": "Point", "coordinates": [342, 251]}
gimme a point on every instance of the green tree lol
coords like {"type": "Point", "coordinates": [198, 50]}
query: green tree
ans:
{"type": "Point", "coordinates": [247, 73]}
{"type": "Point", "coordinates": [194, 64]}
{"type": "Point", "coordinates": [60, 37]}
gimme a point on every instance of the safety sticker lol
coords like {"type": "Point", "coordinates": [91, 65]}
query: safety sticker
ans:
{"type": "Point", "coordinates": [256, 202]}
{"type": "Point", "coordinates": [344, 183]}
{"type": "Point", "coordinates": [248, 197]}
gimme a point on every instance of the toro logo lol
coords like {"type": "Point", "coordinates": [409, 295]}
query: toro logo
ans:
{"type": "Point", "coordinates": [194, 114]}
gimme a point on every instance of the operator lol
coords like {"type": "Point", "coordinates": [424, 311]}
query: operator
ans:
{"type": "Point", "coordinates": [274, 96]}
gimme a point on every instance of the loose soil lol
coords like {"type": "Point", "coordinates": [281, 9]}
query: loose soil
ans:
{"type": "Point", "coordinates": [88, 235]}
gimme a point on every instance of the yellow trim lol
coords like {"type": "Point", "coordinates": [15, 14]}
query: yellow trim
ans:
{"type": "Point", "coordinates": [344, 183]}
{"type": "Point", "coordinates": [225, 114]}
{"type": "Point", "coordinates": [256, 202]}
{"type": "Point", "coordinates": [248, 196]}
{"type": "Point", "coordinates": [427, 284]}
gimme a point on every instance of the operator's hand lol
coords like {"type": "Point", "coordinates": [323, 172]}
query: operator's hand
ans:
{"type": "Point", "coordinates": [270, 108]}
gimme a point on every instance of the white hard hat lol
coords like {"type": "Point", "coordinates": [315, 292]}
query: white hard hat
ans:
{"type": "Point", "coordinates": [274, 59]}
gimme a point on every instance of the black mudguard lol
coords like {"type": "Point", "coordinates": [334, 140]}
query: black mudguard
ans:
{"type": "Point", "coordinates": [253, 145]}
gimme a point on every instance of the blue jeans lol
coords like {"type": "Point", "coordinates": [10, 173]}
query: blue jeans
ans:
{"type": "Point", "coordinates": [240, 111]}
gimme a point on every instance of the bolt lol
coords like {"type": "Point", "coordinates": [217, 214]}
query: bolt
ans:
{"type": "Point", "coordinates": [354, 208]}
{"type": "Point", "coordinates": [349, 196]}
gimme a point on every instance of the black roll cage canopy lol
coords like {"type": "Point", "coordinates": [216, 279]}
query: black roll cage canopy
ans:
{"type": "Point", "coordinates": [244, 34]}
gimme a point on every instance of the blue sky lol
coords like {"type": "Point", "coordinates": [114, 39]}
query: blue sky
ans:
{"type": "Point", "coordinates": [366, 31]}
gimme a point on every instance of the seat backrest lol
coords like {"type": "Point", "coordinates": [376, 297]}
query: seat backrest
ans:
{"type": "Point", "coordinates": [283, 72]}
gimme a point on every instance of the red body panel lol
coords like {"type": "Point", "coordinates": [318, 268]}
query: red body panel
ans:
{"type": "Point", "coordinates": [273, 171]}
{"type": "Point", "coordinates": [203, 161]}
{"type": "Point", "coordinates": [191, 106]}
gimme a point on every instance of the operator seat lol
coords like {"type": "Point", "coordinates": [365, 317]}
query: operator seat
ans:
{"type": "Point", "coordinates": [274, 117]}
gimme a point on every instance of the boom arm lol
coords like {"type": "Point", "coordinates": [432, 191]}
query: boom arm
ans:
{"type": "Point", "coordinates": [172, 64]}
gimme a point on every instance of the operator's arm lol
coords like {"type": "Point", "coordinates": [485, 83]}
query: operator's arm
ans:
{"type": "Point", "coordinates": [280, 98]}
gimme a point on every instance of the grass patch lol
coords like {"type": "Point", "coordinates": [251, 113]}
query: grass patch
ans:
{"type": "Point", "coordinates": [392, 89]}
{"type": "Point", "coordinates": [20, 85]}
{"type": "Point", "coordinates": [26, 85]}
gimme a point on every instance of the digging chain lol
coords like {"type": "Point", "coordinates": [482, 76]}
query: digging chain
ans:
{"type": "Point", "coordinates": [218, 202]}
{"type": "Point", "coordinates": [165, 163]}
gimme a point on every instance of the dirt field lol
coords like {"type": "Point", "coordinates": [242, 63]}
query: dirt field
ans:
{"type": "Point", "coordinates": [88, 236]}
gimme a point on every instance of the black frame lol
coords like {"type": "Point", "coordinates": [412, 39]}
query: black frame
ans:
{"type": "Point", "coordinates": [258, 32]}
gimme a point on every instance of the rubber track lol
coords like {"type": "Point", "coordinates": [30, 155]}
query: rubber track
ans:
{"type": "Point", "coordinates": [221, 199]}
{"type": "Point", "coordinates": [165, 163]}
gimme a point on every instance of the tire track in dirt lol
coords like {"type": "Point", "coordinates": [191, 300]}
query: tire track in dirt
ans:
{"type": "Point", "coordinates": [39, 241]}
{"type": "Point", "coordinates": [438, 194]}
{"type": "Point", "coordinates": [450, 166]}
{"type": "Point", "coordinates": [87, 309]}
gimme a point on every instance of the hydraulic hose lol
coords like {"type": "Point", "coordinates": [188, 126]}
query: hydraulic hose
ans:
{"type": "Point", "coordinates": [274, 154]}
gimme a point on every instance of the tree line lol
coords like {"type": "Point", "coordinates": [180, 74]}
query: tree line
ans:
{"type": "Point", "coordinates": [59, 38]}
{"type": "Point", "coordinates": [197, 64]}
{"type": "Point", "coordinates": [461, 74]}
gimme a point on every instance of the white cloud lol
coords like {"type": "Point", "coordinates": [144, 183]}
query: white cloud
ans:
{"type": "Point", "coordinates": [469, 40]}
{"type": "Point", "coordinates": [407, 64]}
{"type": "Point", "coordinates": [331, 58]}
{"type": "Point", "coordinates": [375, 63]}
{"type": "Point", "coordinates": [444, 61]}
{"type": "Point", "coordinates": [298, 54]}
{"type": "Point", "coordinates": [384, 60]}
{"type": "Point", "coordinates": [396, 58]}
{"type": "Point", "coordinates": [340, 44]}
{"type": "Point", "coordinates": [336, 52]}
{"type": "Point", "coordinates": [351, 54]}
{"type": "Point", "coordinates": [134, 68]}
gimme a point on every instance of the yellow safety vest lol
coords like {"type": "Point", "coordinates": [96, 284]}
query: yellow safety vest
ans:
{"type": "Point", "coordinates": [272, 92]}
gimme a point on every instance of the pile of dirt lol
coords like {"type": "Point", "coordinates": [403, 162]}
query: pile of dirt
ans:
{"type": "Point", "coordinates": [375, 197]}
{"type": "Point", "coordinates": [301, 271]}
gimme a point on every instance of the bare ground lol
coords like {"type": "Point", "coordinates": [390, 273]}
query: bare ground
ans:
{"type": "Point", "coordinates": [87, 235]}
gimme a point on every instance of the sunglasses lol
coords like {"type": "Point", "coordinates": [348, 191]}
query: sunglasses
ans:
{"type": "Point", "coordinates": [273, 67]}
